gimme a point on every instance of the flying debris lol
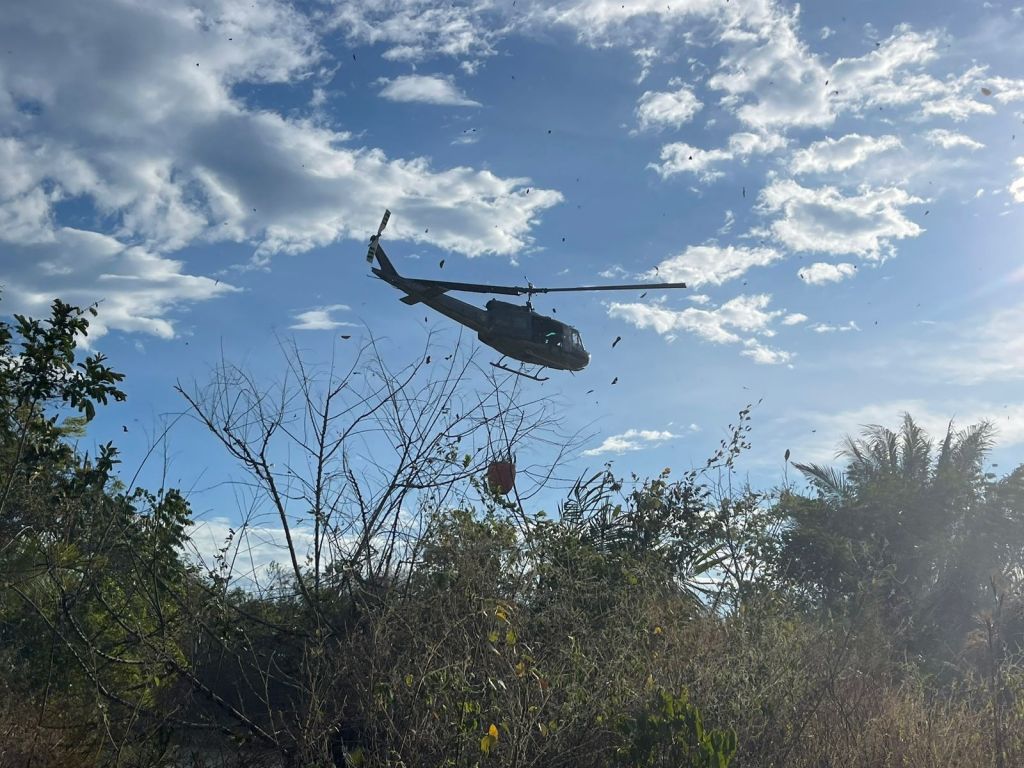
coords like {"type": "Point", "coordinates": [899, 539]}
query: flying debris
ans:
{"type": "Point", "coordinates": [441, 265]}
{"type": "Point", "coordinates": [346, 336]}
{"type": "Point", "coordinates": [428, 360]}
{"type": "Point", "coordinates": [617, 340]}
{"type": "Point", "coordinates": [786, 457]}
{"type": "Point", "coordinates": [984, 91]}
{"type": "Point", "coordinates": [124, 428]}
{"type": "Point", "coordinates": [615, 380]}
{"type": "Point", "coordinates": [589, 391]}
{"type": "Point", "coordinates": [643, 294]}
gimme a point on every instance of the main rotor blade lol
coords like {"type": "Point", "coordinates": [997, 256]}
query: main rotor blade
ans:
{"type": "Point", "coordinates": [506, 290]}
{"type": "Point", "coordinates": [515, 290]}
{"type": "Point", "coordinates": [629, 287]}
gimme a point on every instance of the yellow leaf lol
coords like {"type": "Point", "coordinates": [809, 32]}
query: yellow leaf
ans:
{"type": "Point", "coordinates": [658, 630]}
{"type": "Point", "coordinates": [408, 680]}
{"type": "Point", "coordinates": [511, 637]}
{"type": "Point", "coordinates": [520, 669]}
{"type": "Point", "coordinates": [492, 636]}
{"type": "Point", "coordinates": [489, 740]}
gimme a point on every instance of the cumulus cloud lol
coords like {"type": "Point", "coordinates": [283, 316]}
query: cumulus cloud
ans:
{"type": "Point", "coordinates": [951, 139]}
{"type": "Point", "coordinates": [826, 220]}
{"type": "Point", "coordinates": [319, 319]}
{"type": "Point", "coordinates": [631, 440]}
{"type": "Point", "coordinates": [132, 109]}
{"type": "Point", "coordinates": [711, 264]}
{"type": "Point", "coordinates": [794, 319]}
{"type": "Point", "coordinates": [738, 321]}
{"type": "Point", "coordinates": [137, 289]}
{"type": "Point", "coordinates": [1017, 185]}
{"type": "Point", "coordinates": [820, 273]}
{"type": "Point", "coordinates": [660, 109]}
{"type": "Point", "coordinates": [426, 89]}
{"type": "Point", "coordinates": [418, 30]}
{"type": "Point", "coordinates": [840, 154]}
{"type": "Point", "coordinates": [680, 157]}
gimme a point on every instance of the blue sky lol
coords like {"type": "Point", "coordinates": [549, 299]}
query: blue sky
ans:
{"type": "Point", "coordinates": [843, 190]}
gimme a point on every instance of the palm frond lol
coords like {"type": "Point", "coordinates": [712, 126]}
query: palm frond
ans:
{"type": "Point", "coordinates": [827, 480]}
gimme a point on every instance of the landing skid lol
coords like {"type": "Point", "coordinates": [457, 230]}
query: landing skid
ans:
{"type": "Point", "coordinates": [520, 372]}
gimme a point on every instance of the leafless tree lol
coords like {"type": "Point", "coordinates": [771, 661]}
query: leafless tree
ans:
{"type": "Point", "coordinates": [348, 459]}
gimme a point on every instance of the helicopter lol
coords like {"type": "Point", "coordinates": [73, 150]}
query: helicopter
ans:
{"type": "Point", "coordinates": [514, 330]}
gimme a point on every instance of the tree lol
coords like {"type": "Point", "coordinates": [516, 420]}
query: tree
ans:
{"type": "Point", "coordinates": [350, 463]}
{"type": "Point", "coordinates": [86, 565]}
{"type": "Point", "coordinates": [917, 523]}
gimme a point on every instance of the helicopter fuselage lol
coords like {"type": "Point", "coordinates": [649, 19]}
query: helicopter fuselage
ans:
{"type": "Point", "coordinates": [514, 330]}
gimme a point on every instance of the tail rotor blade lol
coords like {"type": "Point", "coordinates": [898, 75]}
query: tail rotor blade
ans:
{"type": "Point", "coordinates": [371, 253]}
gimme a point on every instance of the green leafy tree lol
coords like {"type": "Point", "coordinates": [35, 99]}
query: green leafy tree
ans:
{"type": "Point", "coordinates": [916, 524]}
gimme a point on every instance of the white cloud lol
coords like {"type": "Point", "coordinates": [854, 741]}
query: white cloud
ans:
{"type": "Point", "coordinates": [613, 272]}
{"type": "Point", "coordinates": [133, 110]}
{"type": "Point", "coordinates": [826, 328]}
{"type": "Point", "coordinates": [827, 32]}
{"type": "Point", "coordinates": [426, 89]}
{"type": "Point", "coordinates": [252, 549]}
{"type": "Point", "coordinates": [820, 273]}
{"type": "Point", "coordinates": [660, 109]}
{"type": "Point", "coordinates": [951, 139]}
{"type": "Point", "coordinates": [416, 29]}
{"type": "Point", "coordinates": [631, 440]}
{"type": "Point", "coordinates": [840, 154]}
{"type": "Point", "coordinates": [1006, 89]}
{"type": "Point", "coordinates": [137, 289]}
{"type": "Point", "coordinates": [794, 319]}
{"type": "Point", "coordinates": [770, 77]}
{"type": "Point", "coordinates": [1016, 188]}
{"type": "Point", "coordinates": [319, 319]}
{"type": "Point", "coordinates": [730, 219]}
{"type": "Point", "coordinates": [737, 321]}
{"type": "Point", "coordinates": [711, 264]}
{"type": "Point", "coordinates": [824, 220]}
{"type": "Point", "coordinates": [680, 157]}
{"type": "Point", "coordinates": [765, 355]}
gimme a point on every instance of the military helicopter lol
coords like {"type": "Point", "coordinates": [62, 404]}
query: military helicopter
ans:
{"type": "Point", "coordinates": [514, 330]}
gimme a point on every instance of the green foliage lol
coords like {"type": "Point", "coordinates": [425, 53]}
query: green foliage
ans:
{"type": "Point", "coordinates": [670, 731]}
{"type": "Point", "coordinates": [914, 525]}
{"type": "Point", "coordinates": [877, 620]}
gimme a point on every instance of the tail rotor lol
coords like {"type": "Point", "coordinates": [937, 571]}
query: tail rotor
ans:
{"type": "Point", "coordinates": [371, 253]}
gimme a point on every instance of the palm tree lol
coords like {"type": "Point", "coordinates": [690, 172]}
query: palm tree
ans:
{"type": "Point", "coordinates": [908, 520]}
